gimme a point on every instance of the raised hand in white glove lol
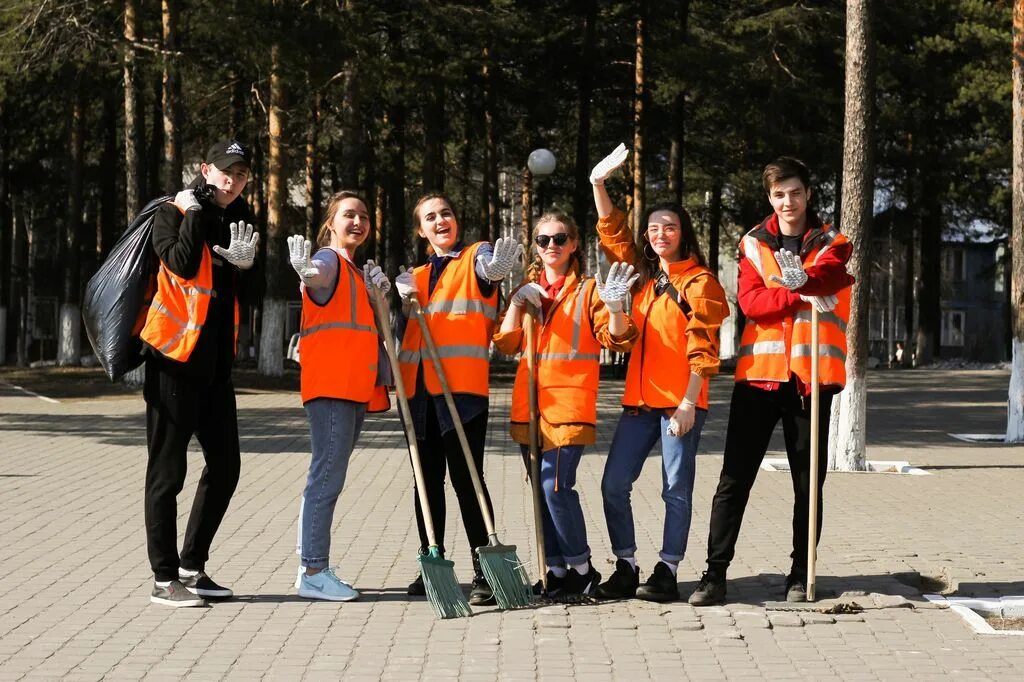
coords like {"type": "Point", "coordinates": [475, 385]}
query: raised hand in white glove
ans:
{"type": "Point", "coordinates": [375, 277]}
{"type": "Point", "coordinates": [186, 201]}
{"type": "Point", "coordinates": [615, 289]}
{"type": "Point", "coordinates": [506, 252]}
{"type": "Point", "coordinates": [793, 275]}
{"type": "Point", "coordinates": [608, 164]}
{"type": "Point", "coordinates": [823, 304]}
{"type": "Point", "coordinates": [405, 284]}
{"type": "Point", "coordinates": [531, 293]}
{"type": "Point", "coordinates": [682, 420]}
{"type": "Point", "coordinates": [241, 251]}
{"type": "Point", "coordinates": [299, 250]}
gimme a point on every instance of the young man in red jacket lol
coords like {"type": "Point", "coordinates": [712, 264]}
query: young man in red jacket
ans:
{"type": "Point", "coordinates": [789, 263]}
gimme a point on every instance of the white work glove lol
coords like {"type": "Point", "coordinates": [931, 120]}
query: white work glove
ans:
{"type": "Point", "coordinates": [299, 250]}
{"type": "Point", "coordinates": [615, 289]}
{"type": "Point", "coordinates": [531, 293]}
{"type": "Point", "coordinates": [241, 251]}
{"type": "Point", "coordinates": [506, 252]}
{"type": "Point", "coordinates": [375, 277]}
{"type": "Point", "coordinates": [823, 304]}
{"type": "Point", "coordinates": [186, 201]}
{"type": "Point", "coordinates": [608, 164]}
{"type": "Point", "coordinates": [406, 285]}
{"type": "Point", "coordinates": [682, 420]}
{"type": "Point", "coordinates": [793, 275]}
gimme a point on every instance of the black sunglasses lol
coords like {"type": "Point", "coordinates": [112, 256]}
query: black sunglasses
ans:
{"type": "Point", "coordinates": [542, 240]}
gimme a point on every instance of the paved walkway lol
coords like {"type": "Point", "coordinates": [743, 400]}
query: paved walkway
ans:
{"type": "Point", "coordinates": [74, 596]}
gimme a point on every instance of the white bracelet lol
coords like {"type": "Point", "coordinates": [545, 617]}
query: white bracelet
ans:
{"type": "Point", "coordinates": [688, 402]}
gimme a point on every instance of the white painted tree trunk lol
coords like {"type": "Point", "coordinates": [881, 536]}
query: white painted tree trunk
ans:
{"type": "Point", "coordinates": [3, 335]}
{"type": "Point", "coordinates": [1015, 404]}
{"type": "Point", "coordinates": [69, 338]}
{"type": "Point", "coordinates": [847, 435]}
{"type": "Point", "coordinates": [271, 362]}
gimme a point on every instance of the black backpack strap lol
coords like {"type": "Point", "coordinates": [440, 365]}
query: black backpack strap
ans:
{"type": "Point", "coordinates": [663, 285]}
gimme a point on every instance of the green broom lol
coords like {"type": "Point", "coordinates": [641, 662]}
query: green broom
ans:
{"type": "Point", "coordinates": [443, 590]}
{"type": "Point", "coordinates": [500, 564]}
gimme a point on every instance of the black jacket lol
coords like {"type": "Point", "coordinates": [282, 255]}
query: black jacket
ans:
{"type": "Point", "coordinates": [178, 242]}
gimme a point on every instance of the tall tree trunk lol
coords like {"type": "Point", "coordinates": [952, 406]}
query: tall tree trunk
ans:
{"type": "Point", "coordinates": [171, 97]}
{"type": "Point", "coordinates": [133, 119]}
{"type": "Point", "coordinates": [527, 210]}
{"type": "Point", "coordinates": [155, 148]}
{"type": "Point", "coordinates": [929, 283]}
{"type": "Point", "coordinates": [677, 148]}
{"type": "Point", "coordinates": [69, 342]}
{"type": "Point", "coordinates": [639, 95]}
{"type": "Point", "coordinates": [353, 137]}
{"type": "Point", "coordinates": [19, 280]}
{"type": "Point", "coordinates": [1015, 407]}
{"type": "Point", "coordinates": [314, 198]}
{"type": "Point", "coordinates": [271, 358]}
{"type": "Point", "coordinates": [6, 233]}
{"type": "Point", "coordinates": [714, 225]}
{"type": "Point", "coordinates": [399, 248]}
{"type": "Point", "coordinates": [490, 185]}
{"type": "Point", "coordinates": [582, 195]}
{"type": "Point", "coordinates": [848, 430]}
{"type": "Point", "coordinates": [109, 212]}
{"type": "Point", "coordinates": [434, 139]}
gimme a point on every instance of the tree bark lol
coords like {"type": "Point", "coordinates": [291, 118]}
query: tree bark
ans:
{"type": "Point", "coordinates": [6, 234]}
{"type": "Point", "coordinates": [490, 185]}
{"type": "Point", "coordinates": [1015, 404]}
{"type": "Point", "coordinates": [108, 212]}
{"type": "Point", "coordinates": [639, 95]}
{"type": "Point", "coordinates": [19, 279]}
{"type": "Point", "coordinates": [155, 147]}
{"type": "Point", "coordinates": [314, 194]}
{"type": "Point", "coordinates": [527, 210]}
{"type": "Point", "coordinates": [582, 196]}
{"type": "Point", "coordinates": [848, 430]}
{"type": "Point", "coordinates": [714, 225]}
{"type": "Point", "coordinates": [929, 283]}
{"type": "Point", "coordinates": [434, 139]}
{"type": "Point", "coordinates": [677, 148]}
{"type": "Point", "coordinates": [271, 357]}
{"type": "Point", "coordinates": [133, 119]}
{"type": "Point", "coordinates": [171, 97]}
{"type": "Point", "coordinates": [399, 247]}
{"type": "Point", "coordinates": [69, 342]}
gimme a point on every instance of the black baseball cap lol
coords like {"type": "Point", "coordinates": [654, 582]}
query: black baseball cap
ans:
{"type": "Point", "coordinates": [225, 153]}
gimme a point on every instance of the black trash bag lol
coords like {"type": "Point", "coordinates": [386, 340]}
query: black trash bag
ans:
{"type": "Point", "coordinates": [117, 297]}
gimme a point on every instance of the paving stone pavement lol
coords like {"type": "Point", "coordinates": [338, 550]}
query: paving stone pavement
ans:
{"type": "Point", "coordinates": [74, 599]}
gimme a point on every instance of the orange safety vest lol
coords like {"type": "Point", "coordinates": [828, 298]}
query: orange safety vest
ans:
{"type": "Point", "coordinates": [338, 343]}
{"type": "Point", "coordinates": [568, 361]}
{"type": "Point", "coordinates": [772, 351]}
{"type": "Point", "coordinates": [176, 316]}
{"type": "Point", "coordinates": [461, 320]}
{"type": "Point", "coordinates": [657, 375]}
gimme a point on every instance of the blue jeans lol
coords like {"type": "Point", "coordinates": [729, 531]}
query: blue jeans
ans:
{"type": "Point", "coordinates": [334, 427]}
{"type": "Point", "coordinates": [565, 530]}
{"type": "Point", "coordinates": [637, 433]}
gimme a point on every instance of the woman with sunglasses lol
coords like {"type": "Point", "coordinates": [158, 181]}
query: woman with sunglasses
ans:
{"type": "Point", "coordinates": [678, 309]}
{"type": "Point", "coordinates": [457, 291]}
{"type": "Point", "coordinates": [577, 316]}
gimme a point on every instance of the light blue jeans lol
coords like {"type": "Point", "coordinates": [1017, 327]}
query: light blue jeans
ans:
{"type": "Point", "coordinates": [334, 427]}
{"type": "Point", "coordinates": [637, 433]}
{"type": "Point", "coordinates": [565, 529]}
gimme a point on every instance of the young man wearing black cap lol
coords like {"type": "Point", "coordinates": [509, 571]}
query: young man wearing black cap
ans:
{"type": "Point", "coordinates": [206, 243]}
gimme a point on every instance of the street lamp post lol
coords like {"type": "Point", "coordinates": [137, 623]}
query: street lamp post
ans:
{"type": "Point", "coordinates": [540, 164]}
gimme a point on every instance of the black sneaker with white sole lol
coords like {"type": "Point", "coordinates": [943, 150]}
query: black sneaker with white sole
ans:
{"type": "Point", "coordinates": [202, 585]}
{"type": "Point", "coordinates": [622, 584]}
{"type": "Point", "coordinates": [174, 594]}
{"type": "Point", "coordinates": [661, 585]}
{"type": "Point", "coordinates": [584, 584]}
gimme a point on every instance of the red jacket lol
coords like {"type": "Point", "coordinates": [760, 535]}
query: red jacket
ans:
{"type": "Point", "coordinates": [824, 278]}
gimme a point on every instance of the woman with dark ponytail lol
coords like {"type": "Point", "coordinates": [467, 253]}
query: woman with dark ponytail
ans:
{"type": "Point", "coordinates": [576, 316]}
{"type": "Point", "coordinates": [679, 307]}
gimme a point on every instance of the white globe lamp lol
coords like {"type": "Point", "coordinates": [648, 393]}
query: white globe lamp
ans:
{"type": "Point", "coordinates": [541, 162]}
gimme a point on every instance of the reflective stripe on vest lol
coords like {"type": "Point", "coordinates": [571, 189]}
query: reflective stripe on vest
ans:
{"type": "Point", "coordinates": [338, 346]}
{"type": "Point", "coordinates": [178, 311]}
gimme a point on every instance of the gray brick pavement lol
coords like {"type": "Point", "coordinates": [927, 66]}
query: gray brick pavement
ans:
{"type": "Point", "coordinates": [74, 601]}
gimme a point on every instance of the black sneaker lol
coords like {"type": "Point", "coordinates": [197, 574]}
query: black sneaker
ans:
{"type": "Point", "coordinates": [710, 590]}
{"type": "Point", "coordinates": [175, 594]}
{"type": "Point", "coordinates": [554, 586]}
{"type": "Point", "coordinates": [796, 589]}
{"type": "Point", "coordinates": [202, 585]}
{"type": "Point", "coordinates": [660, 586]}
{"type": "Point", "coordinates": [622, 584]}
{"type": "Point", "coordinates": [576, 584]}
{"type": "Point", "coordinates": [480, 594]}
{"type": "Point", "coordinates": [416, 587]}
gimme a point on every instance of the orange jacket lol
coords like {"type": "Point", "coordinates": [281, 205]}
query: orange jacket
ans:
{"type": "Point", "coordinates": [461, 321]}
{"type": "Point", "coordinates": [773, 348]}
{"type": "Point", "coordinates": [568, 350]}
{"type": "Point", "coordinates": [175, 317]}
{"type": "Point", "coordinates": [344, 327]}
{"type": "Point", "coordinates": [655, 377]}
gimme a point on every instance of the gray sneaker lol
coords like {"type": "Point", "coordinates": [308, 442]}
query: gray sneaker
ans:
{"type": "Point", "coordinates": [710, 590]}
{"type": "Point", "coordinates": [796, 589]}
{"type": "Point", "coordinates": [175, 594]}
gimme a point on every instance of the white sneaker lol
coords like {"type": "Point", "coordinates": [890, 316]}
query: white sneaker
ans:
{"type": "Point", "coordinates": [302, 571]}
{"type": "Point", "coordinates": [327, 586]}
